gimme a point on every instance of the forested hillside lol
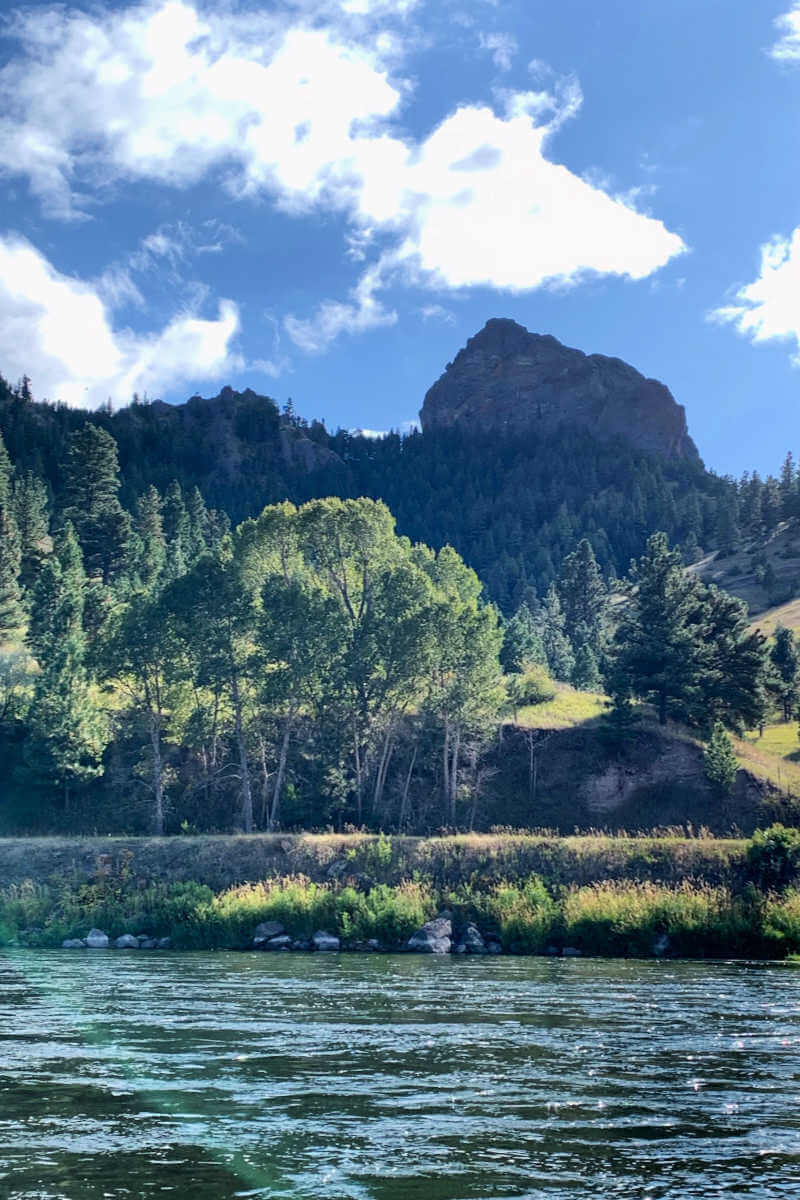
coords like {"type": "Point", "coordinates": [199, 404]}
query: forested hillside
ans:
{"type": "Point", "coordinates": [513, 507]}
{"type": "Point", "coordinates": [164, 667]}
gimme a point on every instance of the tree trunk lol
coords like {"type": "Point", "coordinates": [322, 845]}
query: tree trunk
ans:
{"type": "Point", "coordinates": [446, 763]}
{"type": "Point", "coordinates": [247, 796]}
{"type": "Point", "coordinates": [383, 768]}
{"type": "Point", "coordinates": [279, 777]}
{"type": "Point", "coordinates": [404, 802]}
{"type": "Point", "coordinates": [454, 774]}
{"type": "Point", "coordinates": [158, 775]}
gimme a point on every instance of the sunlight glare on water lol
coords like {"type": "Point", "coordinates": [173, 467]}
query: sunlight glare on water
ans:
{"type": "Point", "coordinates": [395, 1078]}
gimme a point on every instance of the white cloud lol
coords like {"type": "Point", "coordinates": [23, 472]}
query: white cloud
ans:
{"type": "Point", "coordinates": [364, 311]}
{"type": "Point", "coordinates": [437, 312]}
{"type": "Point", "coordinates": [787, 49]}
{"type": "Point", "coordinates": [502, 47]}
{"type": "Point", "coordinates": [57, 329]}
{"type": "Point", "coordinates": [301, 110]}
{"type": "Point", "coordinates": [769, 307]}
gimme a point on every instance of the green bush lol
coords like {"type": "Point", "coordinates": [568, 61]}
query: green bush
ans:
{"type": "Point", "coordinates": [782, 922]}
{"type": "Point", "coordinates": [773, 857]}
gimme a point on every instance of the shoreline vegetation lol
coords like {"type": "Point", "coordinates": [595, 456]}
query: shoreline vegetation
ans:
{"type": "Point", "coordinates": [524, 893]}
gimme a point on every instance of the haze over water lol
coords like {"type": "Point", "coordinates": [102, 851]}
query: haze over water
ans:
{"type": "Point", "coordinates": [232, 1075]}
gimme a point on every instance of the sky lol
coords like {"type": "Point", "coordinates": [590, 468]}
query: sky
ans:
{"type": "Point", "coordinates": [323, 199]}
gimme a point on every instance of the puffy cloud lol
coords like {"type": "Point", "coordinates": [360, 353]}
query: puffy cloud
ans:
{"type": "Point", "coordinates": [787, 48]}
{"type": "Point", "coordinates": [58, 329]}
{"type": "Point", "coordinates": [769, 307]}
{"type": "Point", "coordinates": [298, 104]}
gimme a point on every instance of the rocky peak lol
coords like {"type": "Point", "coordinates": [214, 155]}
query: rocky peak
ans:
{"type": "Point", "coordinates": [512, 381]}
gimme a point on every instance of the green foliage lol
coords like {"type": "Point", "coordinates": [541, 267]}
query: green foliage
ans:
{"type": "Point", "coordinates": [533, 686]}
{"type": "Point", "coordinates": [773, 856]}
{"type": "Point", "coordinates": [721, 764]}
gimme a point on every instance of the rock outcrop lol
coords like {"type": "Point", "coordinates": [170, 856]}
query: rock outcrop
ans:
{"type": "Point", "coordinates": [434, 937]}
{"type": "Point", "coordinates": [507, 380]}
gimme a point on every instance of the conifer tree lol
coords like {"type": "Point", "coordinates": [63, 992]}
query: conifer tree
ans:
{"type": "Point", "coordinates": [68, 731]}
{"type": "Point", "coordinates": [560, 659]}
{"type": "Point", "coordinates": [720, 761]}
{"type": "Point", "coordinates": [10, 558]}
{"type": "Point", "coordinates": [30, 513]}
{"type": "Point", "coordinates": [177, 532]}
{"type": "Point", "coordinates": [522, 643]}
{"type": "Point", "coordinates": [785, 658]}
{"type": "Point", "coordinates": [583, 596]}
{"type": "Point", "coordinates": [150, 531]}
{"type": "Point", "coordinates": [92, 487]}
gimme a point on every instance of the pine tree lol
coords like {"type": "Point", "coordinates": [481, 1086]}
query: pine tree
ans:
{"type": "Point", "coordinates": [198, 525]}
{"type": "Point", "coordinates": [92, 486]}
{"type": "Point", "coordinates": [68, 730]}
{"type": "Point", "coordinates": [586, 672]}
{"type": "Point", "coordinates": [583, 596]}
{"type": "Point", "coordinates": [560, 659]}
{"type": "Point", "coordinates": [785, 658]}
{"type": "Point", "coordinates": [150, 530]}
{"type": "Point", "coordinates": [10, 557]}
{"type": "Point", "coordinates": [6, 475]}
{"type": "Point", "coordinates": [721, 764]}
{"type": "Point", "coordinates": [30, 513]}
{"type": "Point", "coordinates": [522, 643]}
{"type": "Point", "coordinates": [788, 488]}
{"type": "Point", "coordinates": [177, 532]}
{"type": "Point", "coordinates": [654, 645]}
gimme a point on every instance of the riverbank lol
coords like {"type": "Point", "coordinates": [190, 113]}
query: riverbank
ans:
{"type": "Point", "coordinates": [522, 893]}
{"type": "Point", "coordinates": [224, 861]}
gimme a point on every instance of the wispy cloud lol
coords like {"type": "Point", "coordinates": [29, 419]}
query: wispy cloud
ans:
{"type": "Point", "coordinates": [502, 47]}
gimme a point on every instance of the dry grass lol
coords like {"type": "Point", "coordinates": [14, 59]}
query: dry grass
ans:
{"type": "Point", "coordinates": [775, 756]}
{"type": "Point", "coordinates": [568, 709]}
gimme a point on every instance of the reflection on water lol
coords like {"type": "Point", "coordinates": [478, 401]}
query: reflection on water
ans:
{"type": "Point", "coordinates": [395, 1078]}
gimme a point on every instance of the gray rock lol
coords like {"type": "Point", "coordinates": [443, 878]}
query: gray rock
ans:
{"type": "Point", "coordinates": [73, 944]}
{"type": "Point", "coordinates": [507, 379]}
{"type": "Point", "coordinates": [302, 944]}
{"type": "Point", "coordinates": [281, 942]}
{"type": "Point", "coordinates": [97, 940]}
{"type": "Point", "coordinates": [460, 948]}
{"type": "Point", "coordinates": [148, 943]}
{"type": "Point", "coordinates": [473, 940]}
{"type": "Point", "coordinates": [325, 941]}
{"type": "Point", "coordinates": [494, 948]}
{"type": "Point", "coordinates": [571, 952]}
{"type": "Point", "coordinates": [267, 930]}
{"type": "Point", "coordinates": [661, 945]}
{"type": "Point", "coordinates": [164, 943]}
{"type": "Point", "coordinates": [374, 944]}
{"type": "Point", "coordinates": [127, 942]}
{"type": "Point", "coordinates": [435, 937]}
{"type": "Point", "coordinates": [553, 951]}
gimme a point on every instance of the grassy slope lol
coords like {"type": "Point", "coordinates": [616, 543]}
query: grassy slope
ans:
{"type": "Point", "coordinates": [735, 574]}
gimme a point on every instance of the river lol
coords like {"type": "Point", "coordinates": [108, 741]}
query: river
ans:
{"type": "Point", "coordinates": [211, 1076]}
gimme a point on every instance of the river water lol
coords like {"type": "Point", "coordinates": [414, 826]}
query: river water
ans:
{"type": "Point", "coordinates": [210, 1076]}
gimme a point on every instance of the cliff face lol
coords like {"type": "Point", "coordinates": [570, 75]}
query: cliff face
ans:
{"type": "Point", "coordinates": [507, 380]}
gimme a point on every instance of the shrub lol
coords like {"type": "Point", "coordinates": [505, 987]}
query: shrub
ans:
{"type": "Point", "coordinates": [782, 922]}
{"type": "Point", "coordinates": [773, 856]}
{"type": "Point", "coordinates": [526, 915]}
{"type": "Point", "coordinates": [533, 686]}
{"type": "Point", "coordinates": [721, 764]}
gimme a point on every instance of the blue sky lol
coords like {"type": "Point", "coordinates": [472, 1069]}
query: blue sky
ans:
{"type": "Point", "coordinates": [324, 199]}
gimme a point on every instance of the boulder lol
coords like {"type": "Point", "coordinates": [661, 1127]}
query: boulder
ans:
{"type": "Point", "coordinates": [127, 942]}
{"type": "Point", "coordinates": [374, 944]}
{"type": "Point", "coordinates": [302, 944]}
{"type": "Point", "coordinates": [281, 942]}
{"type": "Point", "coordinates": [571, 952]}
{"type": "Point", "coordinates": [325, 941]}
{"type": "Point", "coordinates": [494, 948]}
{"type": "Point", "coordinates": [97, 940]}
{"type": "Point", "coordinates": [472, 941]}
{"type": "Point", "coordinates": [435, 937]}
{"type": "Point", "coordinates": [148, 943]}
{"type": "Point", "coordinates": [73, 944]}
{"type": "Point", "coordinates": [164, 943]}
{"type": "Point", "coordinates": [267, 930]}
